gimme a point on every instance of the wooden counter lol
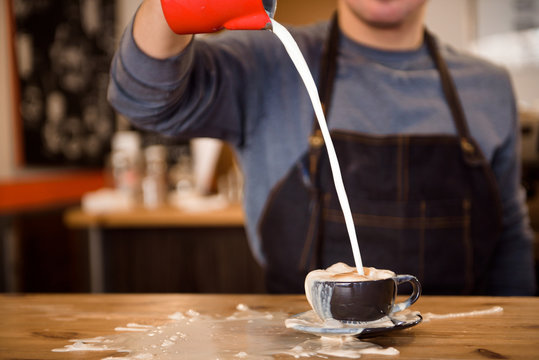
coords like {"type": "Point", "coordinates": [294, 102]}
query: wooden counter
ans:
{"type": "Point", "coordinates": [231, 216]}
{"type": "Point", "coordinates": [212, 239]}
{"type": "Point", "coordinates": [32, 325]}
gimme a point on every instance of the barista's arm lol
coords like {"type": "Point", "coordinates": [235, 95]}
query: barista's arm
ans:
{"type": "Point", "coordinates": [512, 271]}
{"type": "Point", "coordinates": [152, 33]}
{"type": "Point", "coordinates": [211, 88]}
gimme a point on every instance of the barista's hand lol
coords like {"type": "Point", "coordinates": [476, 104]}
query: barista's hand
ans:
{"type": "Point", "coordinates": [152, 33]}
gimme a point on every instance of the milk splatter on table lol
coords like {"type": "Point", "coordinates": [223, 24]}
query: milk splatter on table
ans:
{"type": "Point", "coordinates": [196, 336]}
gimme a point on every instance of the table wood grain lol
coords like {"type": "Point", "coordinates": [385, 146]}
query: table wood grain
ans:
{"type": "Point", "coordinates": [33, 325]}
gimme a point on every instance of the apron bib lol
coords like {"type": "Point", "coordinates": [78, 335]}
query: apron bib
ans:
{"type": "Point", "coordinates": [424, 205]}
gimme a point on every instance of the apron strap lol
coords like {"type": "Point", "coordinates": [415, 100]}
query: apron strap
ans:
{"type": "Point", "coordinates": [328, 66]}
{"type": "Point", "coordinates": [328, 71]}
{"type": "Point", "coordinates": [471, 154]}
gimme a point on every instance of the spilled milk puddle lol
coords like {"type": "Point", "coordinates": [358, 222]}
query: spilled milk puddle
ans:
{"type": "Point", "coordinates": [245, 334]}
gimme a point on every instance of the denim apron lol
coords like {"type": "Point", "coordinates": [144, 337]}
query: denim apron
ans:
{"type": "Point", "coordinates": [425, 205]}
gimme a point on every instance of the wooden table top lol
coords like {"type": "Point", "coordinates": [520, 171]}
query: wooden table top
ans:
{"type": "Point", "coordinates": [168, 216]}
{"type": "Point", "coordinates": [32, 325]}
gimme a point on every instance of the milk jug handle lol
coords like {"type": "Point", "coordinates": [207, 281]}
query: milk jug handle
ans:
{"type": "Point", "coordinates": [416, 292]}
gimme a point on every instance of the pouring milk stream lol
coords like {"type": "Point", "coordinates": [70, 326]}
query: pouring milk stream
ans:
{"type": "Point", "coordinates": [301, 65]}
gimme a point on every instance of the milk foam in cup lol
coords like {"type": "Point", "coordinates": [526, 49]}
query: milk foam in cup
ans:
{"type": "Point", "coordinates": [340, 293]}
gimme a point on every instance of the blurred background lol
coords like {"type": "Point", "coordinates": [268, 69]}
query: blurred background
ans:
{"type": "Point", "coordinates": [89, 204]}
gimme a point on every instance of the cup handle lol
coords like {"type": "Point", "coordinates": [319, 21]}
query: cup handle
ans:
{"type": "Point", "coordinates": [416, 291]}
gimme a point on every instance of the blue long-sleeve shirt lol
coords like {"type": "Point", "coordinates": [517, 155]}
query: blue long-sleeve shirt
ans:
{"type": "Point", "coordinates": [242, 87]}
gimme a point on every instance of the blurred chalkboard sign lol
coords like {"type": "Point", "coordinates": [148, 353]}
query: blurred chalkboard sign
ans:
{"type": "Point", "coordinates": [63, 50]}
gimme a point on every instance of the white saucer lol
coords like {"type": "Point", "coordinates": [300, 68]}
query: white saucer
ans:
{"type": "Point", "coordinates": [309, 322]}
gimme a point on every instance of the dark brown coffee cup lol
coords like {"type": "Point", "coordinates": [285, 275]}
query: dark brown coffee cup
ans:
{"type": "Point", "coordinates": [361, 301]}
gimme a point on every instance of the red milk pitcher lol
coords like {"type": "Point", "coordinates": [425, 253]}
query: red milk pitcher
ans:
{"type": "Point", "coordinates": [205, 16]}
